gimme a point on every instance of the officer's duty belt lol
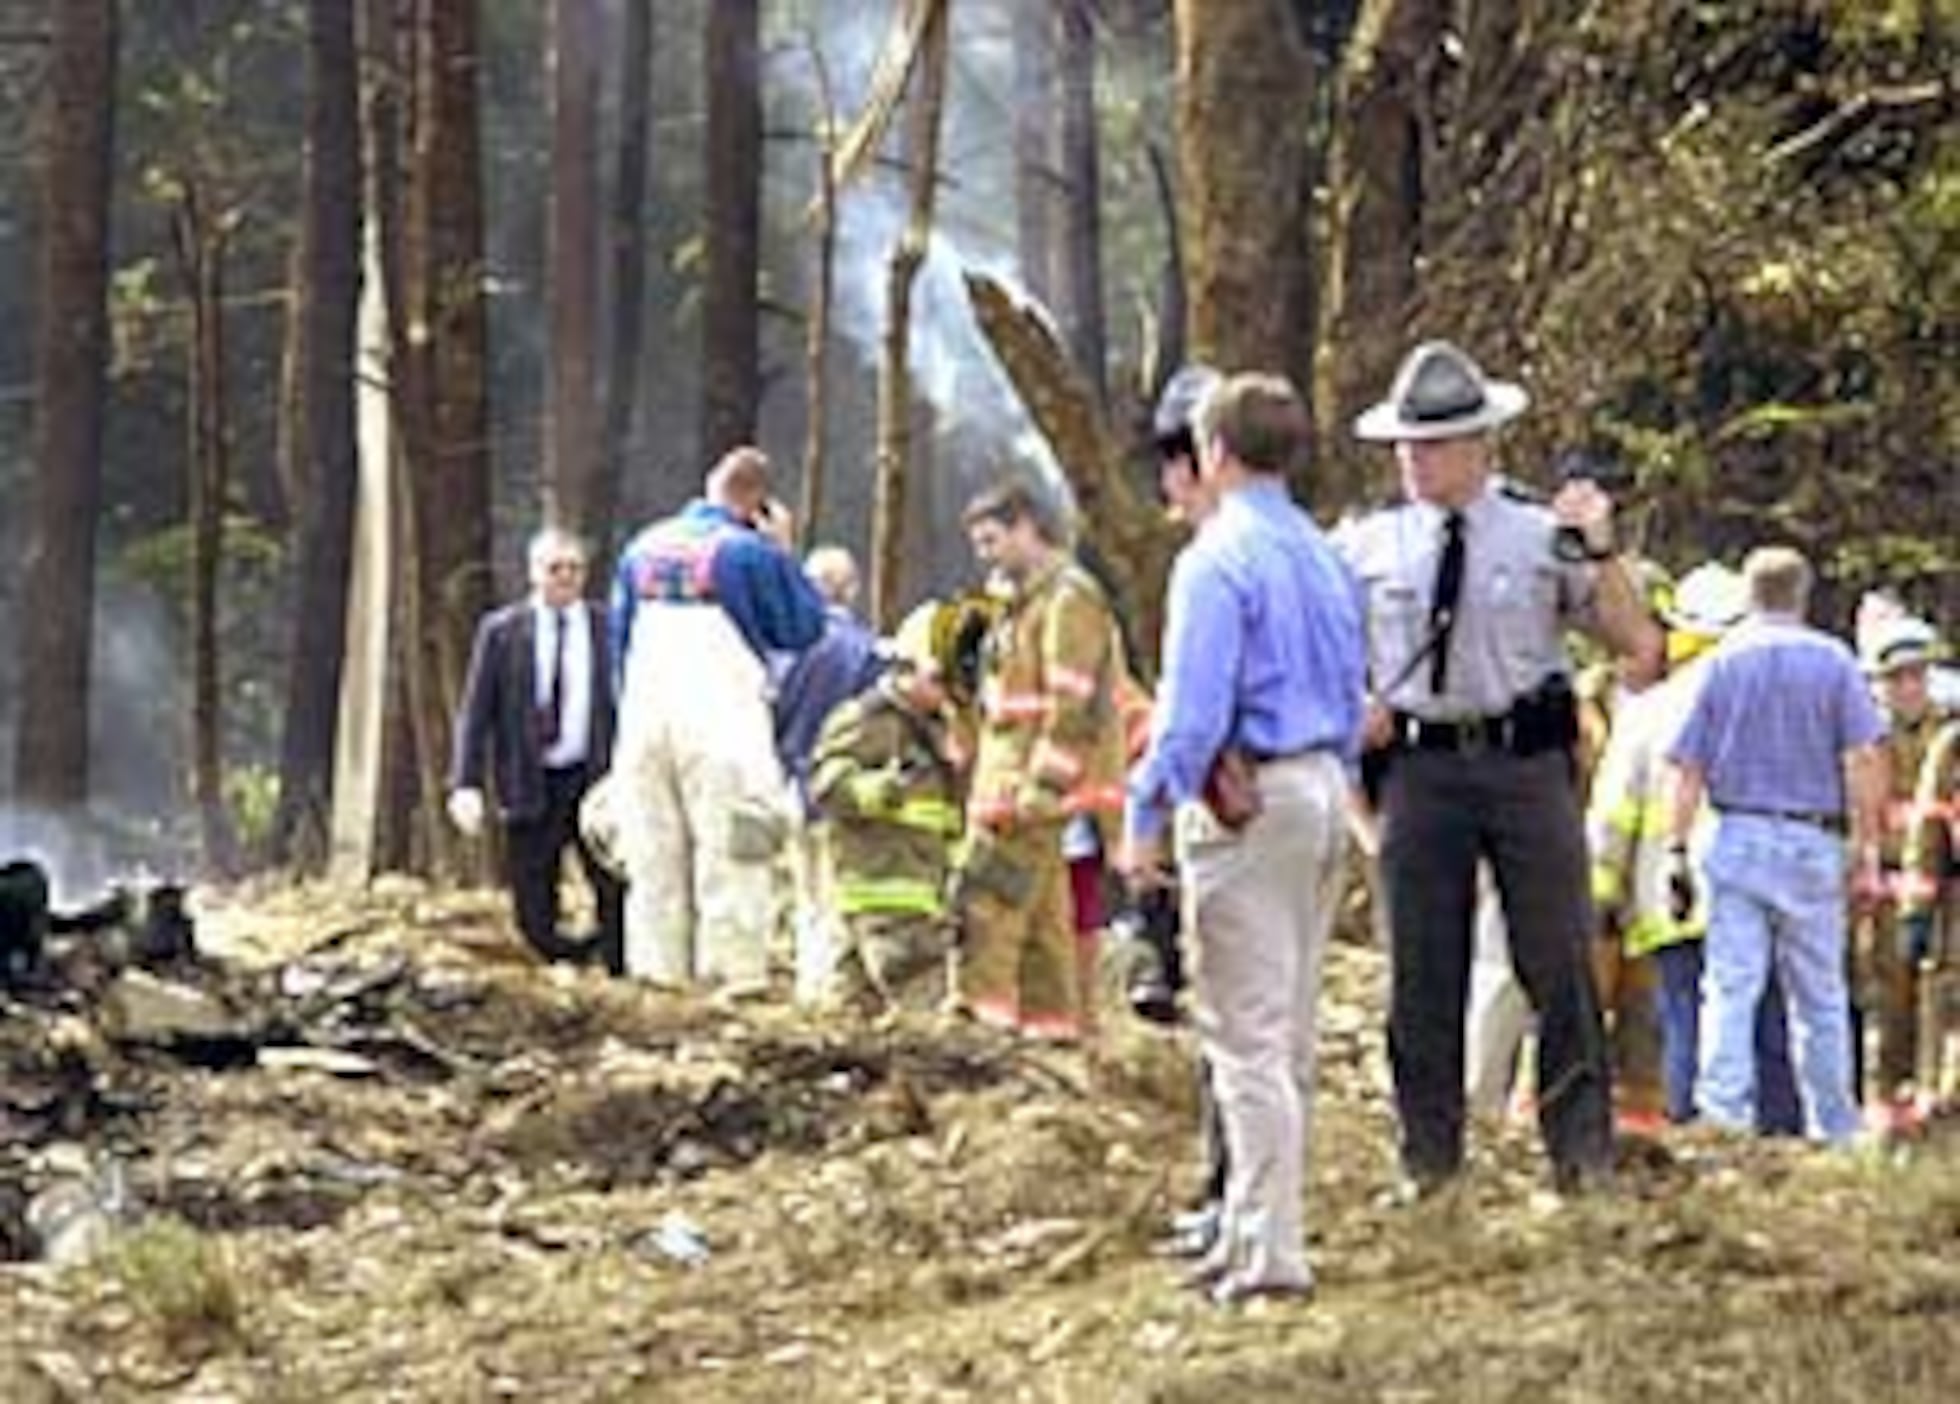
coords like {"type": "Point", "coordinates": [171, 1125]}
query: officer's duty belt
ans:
{"type": "Point", "coordinates": [1509, 732]}
{"type": "Point", "coordinates": [1817, 818]}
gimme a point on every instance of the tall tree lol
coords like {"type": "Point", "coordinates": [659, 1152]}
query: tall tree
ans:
{"type": "Point", "coordinates": [439, 363]}
{"type": "Point", "coordinates": [323, 472]}
{"type": "Point", "coordinates": [71, 348]}
{"type": "Point", "coordinates": [1245, 108]}
{"type": "Point", "coordinates": [1079, 286]}
{"type": "Point", "coordinates": [627, 235]}
{"type": "Point", "coordinates": [731, 378]}
{"type": "Point", "coordinates": [571, 458]}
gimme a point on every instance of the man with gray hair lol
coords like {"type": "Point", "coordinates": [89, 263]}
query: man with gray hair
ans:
{"type": "Point", "coordinates": [536, 726]}
{"type": "Point", "coordinates": [1783, 741]}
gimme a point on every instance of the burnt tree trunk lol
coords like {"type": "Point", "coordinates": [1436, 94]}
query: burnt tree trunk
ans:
{"type": "Point", "coordinates": [1037, 174]}
{"type": "Point", "coordinates": [322, 471]}
{"type": "Point", "coordinates": [816, 341]}
{"type": "Point", "coordinates": [895, 372]}
{"type": "Point", "coordinates": [571, 443]}
{"type": "Point", "coordinates": [629, 264]}
{"type": "Point", "coordinates": [70, 355]}
{"type": "Point", "coordinates": [1079, 289]}
{"type": "Point", "coordinates": [731, 379]}
{"type": "Point", "coordinates": [202, 234]}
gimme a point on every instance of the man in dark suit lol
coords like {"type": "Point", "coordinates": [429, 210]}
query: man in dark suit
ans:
{"type": "Point", "coordinates": [537, 713]}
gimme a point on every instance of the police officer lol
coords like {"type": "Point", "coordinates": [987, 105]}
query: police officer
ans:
{"type": "Point", "coordinates": [1470, 589]}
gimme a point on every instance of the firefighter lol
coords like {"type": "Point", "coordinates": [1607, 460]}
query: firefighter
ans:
{"type": "Point", "coordinates": [883, 777]}
{"type": "Point", "coordinates": [1928, 941]}
{"type": "Point", "coordinates": [1898, 653]}
{"type": "Point", "coordinates": [1043, 754]}
{"type": "Point", "coordinates": [700, 600]}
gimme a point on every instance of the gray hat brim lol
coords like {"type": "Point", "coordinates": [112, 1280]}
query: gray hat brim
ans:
{"type": "Point", "coordinates": [1384, 424]}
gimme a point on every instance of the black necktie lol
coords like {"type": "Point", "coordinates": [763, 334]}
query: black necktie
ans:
{"type": "Point", "coordinates": [1443, 600]}
{"type": "Point", "coordinates": [554, 703]}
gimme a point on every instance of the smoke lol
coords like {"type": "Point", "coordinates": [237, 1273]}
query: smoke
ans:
{"type": "Point", "coordinates": [981, 425]}
{"type": "Point", "coordinates": [135, 824]}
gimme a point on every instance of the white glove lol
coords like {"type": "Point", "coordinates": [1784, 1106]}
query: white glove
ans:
{"type": "Point", "coordinates": [466, 811]}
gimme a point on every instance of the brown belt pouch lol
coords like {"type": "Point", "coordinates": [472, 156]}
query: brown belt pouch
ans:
{"type": "Point", "coordinates": [1232, 789]}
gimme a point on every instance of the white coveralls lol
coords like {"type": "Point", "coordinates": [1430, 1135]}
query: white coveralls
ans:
{"type": "Point", "coordinates": [701, 799]}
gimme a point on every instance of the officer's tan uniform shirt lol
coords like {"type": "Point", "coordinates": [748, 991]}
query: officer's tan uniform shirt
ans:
{"type": "Point", "coordinates": [1518, 601]}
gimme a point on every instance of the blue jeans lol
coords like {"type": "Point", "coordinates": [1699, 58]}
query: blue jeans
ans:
{"type": "Point", "coordinates": [1776, 892]}
{"type": "Point", "coordinates": [1778, 1112]}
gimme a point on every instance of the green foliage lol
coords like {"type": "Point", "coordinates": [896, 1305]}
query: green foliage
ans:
{"type": "Point", "coordinates": [1756, 298]}
{"type": "Point", "coordinates": [181, 1283]}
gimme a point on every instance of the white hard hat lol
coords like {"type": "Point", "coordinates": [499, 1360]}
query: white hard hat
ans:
{"type": "Point", "coordinates": [1899, 643]}
{"type": "Point", "coordinates": [1710, 600]}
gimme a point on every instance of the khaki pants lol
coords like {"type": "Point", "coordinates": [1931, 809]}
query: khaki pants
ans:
{"type": "Point", "coordinates": [1017, 967]}
{"type": "Point", "coordinates": [1261, 904]}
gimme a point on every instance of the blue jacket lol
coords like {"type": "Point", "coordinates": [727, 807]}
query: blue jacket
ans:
{"type": "Point", "coordinates": [703, 555]}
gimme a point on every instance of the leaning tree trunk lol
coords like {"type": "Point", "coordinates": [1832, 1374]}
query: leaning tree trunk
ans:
{"type": "Point", "coordinates": [70, 355]}
{"type": "Point", "coordinates": [1245, 109]}
{"type": "Point", "coordinates": [629, 262]}
{"type": "Point", "coordinates": [202, 234]}
{"type": "Point", "coordinates": [322, 471]}
{"type": "Point", "coordinates": [731, 377]}
{"type": "Point", "coordinates": [1124, 529]}
{"type": "Point", "coordinates": [895, 372]}
{"type": "Point", "coordinates": [571, 442]}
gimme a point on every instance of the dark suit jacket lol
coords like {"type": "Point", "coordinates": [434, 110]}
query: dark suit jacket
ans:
{"type": "Point", "coordinates": [499, 726]}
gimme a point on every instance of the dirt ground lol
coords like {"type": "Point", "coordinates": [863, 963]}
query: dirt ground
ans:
{"type": "Point", "coordinates": [479, 1180]}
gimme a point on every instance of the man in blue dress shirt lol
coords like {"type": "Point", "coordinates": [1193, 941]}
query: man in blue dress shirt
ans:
{"type": "Point", "coordinates": [1783, 741]}
{"type": "Point", "coordinates": [1263, 654]}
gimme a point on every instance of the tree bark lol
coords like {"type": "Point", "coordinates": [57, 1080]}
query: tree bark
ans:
{"type": "Point", "coordinates": [323, 469]}
{"type": "Point", "coordinates": [731, 380]}
{"type": "Point", "coordinates": [1385, 105]}
{"type": "Point", "coordinates": [571, 459]}
{"type": "Point", "coordinates": [629, 264]}
{"type": "Point", "coordinates": [1079, 290]}
{"type": "Point", "coordinates": [71, 351]}
{"type": "Point", "coordinates": [895, 376]}
{"type": "Point", "coordinates": [1245, 109]}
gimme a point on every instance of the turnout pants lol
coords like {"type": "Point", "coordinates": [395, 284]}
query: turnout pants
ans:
{"type": "Point", "coordinates": [1444, 812]}
{"type": "Point", "coordinates": [1886, 992]}
{"type": "Point", "coordinates": [1017, 966]}
{"type": "Point", "coordinates": [1261, 904]}
{"type": "Point", "coordinates": [701, 801]}
{"type": "Point", "coordinates": [892, 960]}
